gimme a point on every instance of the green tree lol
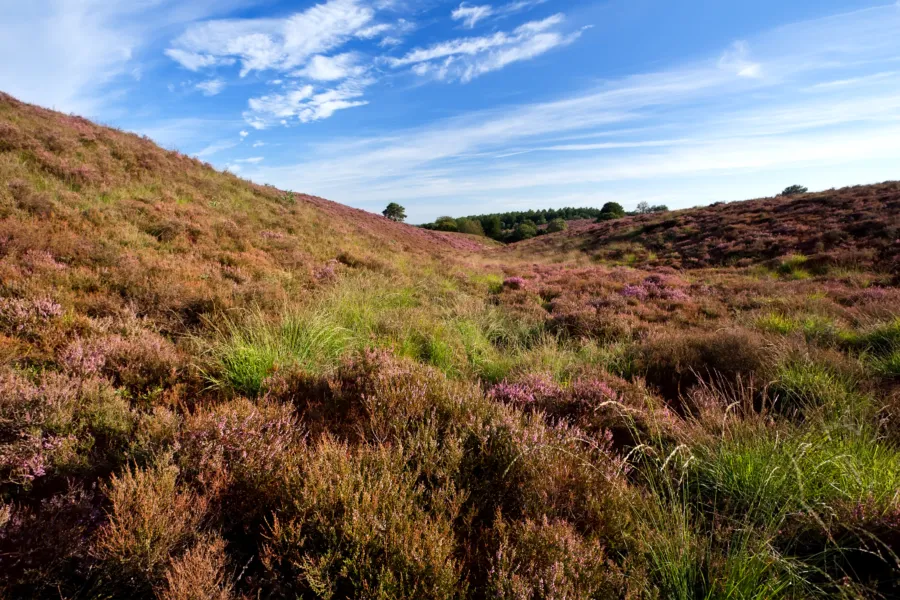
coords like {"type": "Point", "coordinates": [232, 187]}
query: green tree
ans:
{"type": "Point", "coordinates": [524, 230]}
{"type": "Point", "coordinates": [611, 210]}
{"type": "Point", "coordinates": [793, 190]}
{"type": "Point", "coordinates": [395, 212]}
{"type": "Point", "coordinates": [471, 226]}
{"type": "Point", "coordinates": [446, 224]}
{"type": "Point", "coordinates": [492, 226]}
{"type": "Point", "coordinates": [557, 225]}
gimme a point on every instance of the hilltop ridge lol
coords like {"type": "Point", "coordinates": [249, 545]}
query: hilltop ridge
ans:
{"type": "Point", "coordinates": [856, 226]}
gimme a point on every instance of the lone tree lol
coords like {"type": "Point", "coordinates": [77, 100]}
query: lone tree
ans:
{"type": "Point", "coordinates": [611, 210]}
{"type": "Point", "coordinates": [395, 212]}
{"type": "Point", "coordinates": [793, 190]}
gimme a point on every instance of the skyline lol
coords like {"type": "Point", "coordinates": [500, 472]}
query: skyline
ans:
{"type": "Point", "coordinates": [467, 108]}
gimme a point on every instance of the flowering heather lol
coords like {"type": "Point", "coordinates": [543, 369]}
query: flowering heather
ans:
{"type": "Point", "coordinates": [253, 393]}
{"type": "Point", "coordinates": [85, 358]}
{"type": "Point", "coordinates": [638, 292]}
{"type": "Point", "coordinates": [531, 389]}
{"type": "Point", "coordinates": [20, 315]}
{"type": "Point", "coordinates": [514, 283]}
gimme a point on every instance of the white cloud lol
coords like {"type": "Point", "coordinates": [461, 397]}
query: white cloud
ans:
{"type": "Point", "coordinates": [470, 15]}
{"type": "Point", "coordinates": [306, 104]}
{"type": "Point", "coordinates": [333, 68]}
{"type": "Point", "coordinates": [258, 144]}
{"type": "Point", "coordinates": [244, 134]}
{"type": "Point", "coordinates": [280, 44]}
{"type": "Point", "coordinates": [388, 41]}
{"type": "Point", "coordinates": [253, 160]}
{"type": "Point", "coordinates": [211, 87]}
{"type": "Point", "coordinates": [464, 59]}
{"type": "Point", "coordinates": [79, 55]}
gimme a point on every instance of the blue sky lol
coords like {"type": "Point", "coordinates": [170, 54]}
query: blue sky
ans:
{"type": "Point", "coordinates": [461, 108]}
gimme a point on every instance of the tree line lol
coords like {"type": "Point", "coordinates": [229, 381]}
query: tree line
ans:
{"type": "Point", "coordinates": [515, 226]}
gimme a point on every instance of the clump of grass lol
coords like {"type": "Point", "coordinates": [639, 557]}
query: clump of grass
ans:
{"type": "Point", "coordinates": [802, 385]}
{"type": "Point", "coordinates": [772, 471]}
{"type": "Point", "coordinates": [248, 351]}
{"type": "Point", "coordinates": [792, 267]}
{"type": "Point", "coordinates": [777, 323]}
{"type": "Point", "coordinates": [691, 553]}
{"type": "Point", "coordinates": [887, 366]}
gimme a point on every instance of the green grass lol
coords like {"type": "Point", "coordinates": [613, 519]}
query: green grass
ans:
{"type": "Point", "coordinates": [692, 553]}
{"type": "Point", "coordinates": [762, 472]}
{"type": "Point", "coordinates": [249, 350]}
{"type": "Point", "coordinates": [791, 267]}
{"type": "Point", "coordinates": [887, 366]}
{"type": "Point", "coordinates": [777, 323]}
{"type": "Point", "coordinates": [803, 385]}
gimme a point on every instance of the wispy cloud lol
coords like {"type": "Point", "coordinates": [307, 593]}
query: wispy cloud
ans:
{"type": "Point", "coordinates": [211, 87]}
{"type": "Point", "coordinates": [464, 59]}
{"type": "Point", "coordinates": [471, 14]}
{"type": "Point", "coordinates": [70, 54]}
{"type": "Point", "coordinates": [305, 103]}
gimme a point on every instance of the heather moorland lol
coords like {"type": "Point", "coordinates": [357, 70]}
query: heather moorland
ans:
{"type": "Point", "coordinates": [215, 389]}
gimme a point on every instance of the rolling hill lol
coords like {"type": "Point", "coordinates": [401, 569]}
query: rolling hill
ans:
{"type": "Point", "coordinates": [854, 227]}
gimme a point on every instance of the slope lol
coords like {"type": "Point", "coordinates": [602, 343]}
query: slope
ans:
{"type": "Point", "coordinates": [851, 227]}
{"type": "Point", "coordinates": [112, 220]}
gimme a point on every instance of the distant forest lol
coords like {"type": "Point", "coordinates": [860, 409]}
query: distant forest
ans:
{"type": "Point", "coordinates": [518, 225]}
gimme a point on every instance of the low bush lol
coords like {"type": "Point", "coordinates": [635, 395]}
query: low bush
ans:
{"type": "Point", "coordinates": [359, 526]}
{"type": "Point", "coordinates": [151, 518]}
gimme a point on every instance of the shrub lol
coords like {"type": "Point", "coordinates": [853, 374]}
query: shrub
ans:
{"type": "Point", "coordinates": [549, 559]}
{"type": "Point", "coordinates": [676, 361]}
{"type": "Point", "coordinates": [514, 283]}
{"type": "Point", "coordinates": [794, 190]}
{"type": "Point", "coordinates": [557, 225]}
{"type": "Point", "coordinates": [150, 519]}
{"type": "Point", "coordinates": [25, 316]}
{"type": "Point", "coordinates": [199, 574]}
{"type": "Point", "coordinates": [524, 231]}
{"type": "Point", "coordinates": [242, 446]}
{"type": "Point", "coordinates": [446, 224]}
{"type": "Point", "coordinates": [471, 226]}
{"type": "Point", "coordinates": [611, 210]}
{"type": "Point", "coordinates": [360, 527]}
{"type": "Point", "coordinates": [44, 549]}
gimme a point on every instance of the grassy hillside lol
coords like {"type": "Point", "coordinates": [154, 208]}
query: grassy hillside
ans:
{"type": "Point", "coordinates": [212, 389]}
{"type": "Point", "coordinates": [857, 227]}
